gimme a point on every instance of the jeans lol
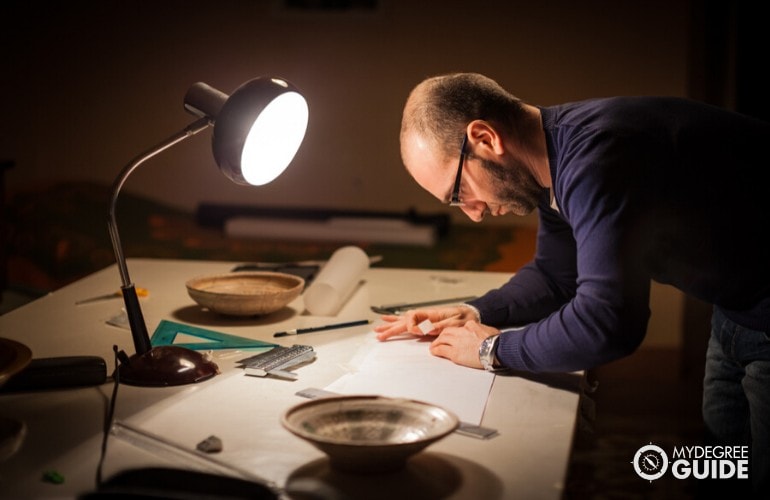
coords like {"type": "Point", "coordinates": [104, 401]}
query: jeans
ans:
{"type": "Point", "coordinates": [736, 394]}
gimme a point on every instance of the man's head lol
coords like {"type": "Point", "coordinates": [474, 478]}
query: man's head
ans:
{"type": "Point", "coordinates": [439, 113]}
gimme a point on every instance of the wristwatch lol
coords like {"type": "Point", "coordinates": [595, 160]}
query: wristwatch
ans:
{"type": "Point", "coordinates": [487, 353]}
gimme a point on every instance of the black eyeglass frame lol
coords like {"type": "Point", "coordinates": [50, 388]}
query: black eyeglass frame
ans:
{"type": "Point", "coordinates": [454, 200]}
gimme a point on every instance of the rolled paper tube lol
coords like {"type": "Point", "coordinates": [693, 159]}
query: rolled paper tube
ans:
{"type": "Point", "coordinates": [336, 281]}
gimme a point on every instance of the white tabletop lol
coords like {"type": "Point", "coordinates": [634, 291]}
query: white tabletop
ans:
{"type": "Point", "coordinates": [535, 415]}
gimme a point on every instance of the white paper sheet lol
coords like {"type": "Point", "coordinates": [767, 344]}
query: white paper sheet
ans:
{"type": "Point", "coordinates": [405, 368]}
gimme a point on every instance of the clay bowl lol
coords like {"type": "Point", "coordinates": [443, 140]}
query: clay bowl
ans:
{"type": "Point", "coordinates": [245, 293]}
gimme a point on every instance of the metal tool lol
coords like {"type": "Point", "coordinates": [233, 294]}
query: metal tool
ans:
{"type": "Point", "coordinates": [141, 292]}
{"type": "Point", "coordinates": [399, 308]}
{"type": "Point", "coordinates": [277, 361]}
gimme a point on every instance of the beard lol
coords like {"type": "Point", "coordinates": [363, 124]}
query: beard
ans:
{"type": "Point", "coordinates": [515, 187]}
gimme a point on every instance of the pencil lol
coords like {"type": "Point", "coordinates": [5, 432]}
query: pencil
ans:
{"type": "Point", "coordinates": [300, 331]}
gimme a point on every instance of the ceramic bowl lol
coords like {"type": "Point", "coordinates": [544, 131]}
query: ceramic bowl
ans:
{"type": "Point", "coordinates": [245, 293]}
{"type": "Point", "coordinates": [369, 434]}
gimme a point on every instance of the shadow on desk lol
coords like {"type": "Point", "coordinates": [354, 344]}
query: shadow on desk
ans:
{"type": "Point", "coordinates": [571, 382]}
{"type": "Point", "coordinates": [426, 476]}
{"type": "Point", "coordinates": [196, 315]}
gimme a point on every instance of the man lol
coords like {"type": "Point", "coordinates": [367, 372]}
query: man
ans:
{"type": "Point", "coordinates": [628, 190]}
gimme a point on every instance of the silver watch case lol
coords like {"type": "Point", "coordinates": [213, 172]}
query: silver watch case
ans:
{"type": "Point", "coordinates": [487, 352]}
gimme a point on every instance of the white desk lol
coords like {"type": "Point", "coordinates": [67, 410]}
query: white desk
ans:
{"type": "Point", "coordinates": [535, 416]}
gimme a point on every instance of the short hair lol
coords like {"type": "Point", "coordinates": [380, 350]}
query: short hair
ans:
{"type": "Point", "coordinates": [440, 107]}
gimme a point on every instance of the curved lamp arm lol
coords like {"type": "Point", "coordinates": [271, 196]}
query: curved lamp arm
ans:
{"type": "Point", "coordinates": [133, 311]}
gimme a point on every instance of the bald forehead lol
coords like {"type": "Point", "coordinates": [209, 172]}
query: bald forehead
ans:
{"type": "Point", "coordinates": [413, 120]}
{"type": "Point", "coordinates": [424, 163]}
{"type": "Point", "coordinates": [417, 150]}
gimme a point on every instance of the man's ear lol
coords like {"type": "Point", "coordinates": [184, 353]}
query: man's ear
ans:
{"type": "Point", "coordinates": [484, 136]}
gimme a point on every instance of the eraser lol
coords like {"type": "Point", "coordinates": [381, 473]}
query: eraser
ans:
{"type": "Point", "coordinates": [426, 327]}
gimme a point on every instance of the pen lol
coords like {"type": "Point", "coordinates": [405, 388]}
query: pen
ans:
{"type": "Point", "coordinates": [299, 331]}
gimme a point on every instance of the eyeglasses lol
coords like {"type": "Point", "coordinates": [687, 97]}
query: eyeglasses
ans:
{"type": "Point", "coordinates": [455, 201]}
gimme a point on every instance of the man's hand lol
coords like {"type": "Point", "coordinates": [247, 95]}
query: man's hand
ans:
{"type": "Point", "coordinates": [441, 317]}
{"type": "Point", "coordinates": [461, 344]}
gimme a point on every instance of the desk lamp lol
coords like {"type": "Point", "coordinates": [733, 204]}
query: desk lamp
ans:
{"type": "Point", "coordinates": [256, 132]}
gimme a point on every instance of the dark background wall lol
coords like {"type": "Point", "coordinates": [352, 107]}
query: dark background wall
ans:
{"type": "Point", "coordinates": [86, 85]}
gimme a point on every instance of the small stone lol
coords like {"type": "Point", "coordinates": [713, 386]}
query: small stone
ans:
{"type": "Point", "coordinates": [211, 444]}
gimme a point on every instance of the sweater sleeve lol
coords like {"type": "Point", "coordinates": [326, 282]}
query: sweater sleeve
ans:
{"type": "Point", "coordinates": [541, 286]}
{"type": "Point", "coordinates": [584, 300]}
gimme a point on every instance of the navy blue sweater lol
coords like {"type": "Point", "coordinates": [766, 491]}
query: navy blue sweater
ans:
{"type": "Point", "coordinates": [645, 188]}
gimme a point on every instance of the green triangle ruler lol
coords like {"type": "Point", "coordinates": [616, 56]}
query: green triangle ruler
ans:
{"type": "Point", "coordinates": [167, 331]}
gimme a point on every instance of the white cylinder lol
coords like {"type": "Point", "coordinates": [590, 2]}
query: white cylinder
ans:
{"type": "Point", "coordinates": [336, 281]}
